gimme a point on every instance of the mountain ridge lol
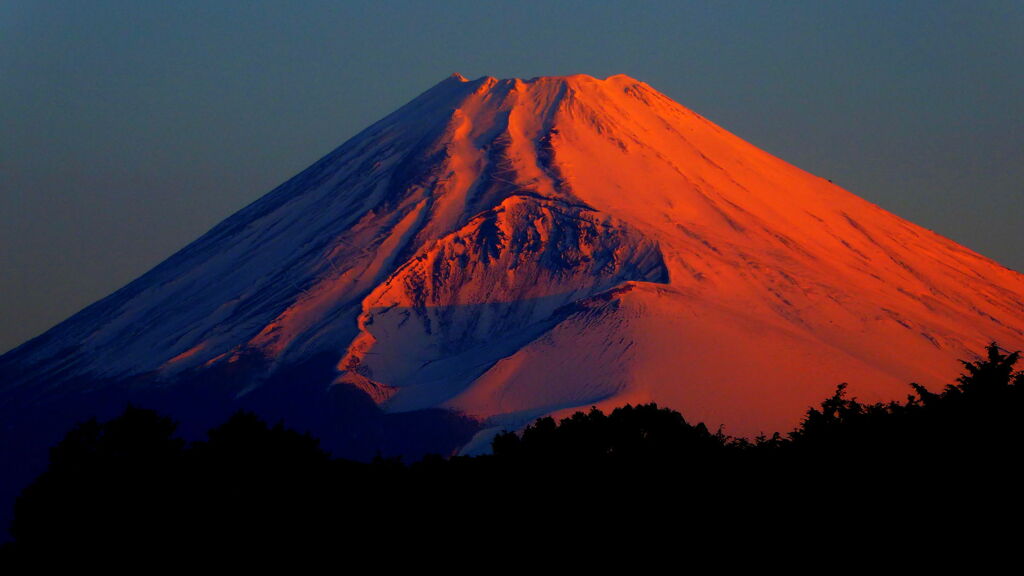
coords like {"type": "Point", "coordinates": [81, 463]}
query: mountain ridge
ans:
{"type": "Point", "coordinates": [458, 253]}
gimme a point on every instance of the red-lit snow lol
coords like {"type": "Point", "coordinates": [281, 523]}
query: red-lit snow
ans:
{"type": "Point", "coordinates": [513, 248]}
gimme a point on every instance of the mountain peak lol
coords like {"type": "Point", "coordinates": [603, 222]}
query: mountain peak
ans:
{"type": "Point", "coordinates": [620, 79]}
{"type": "Point", "coordinates": [507, 248]}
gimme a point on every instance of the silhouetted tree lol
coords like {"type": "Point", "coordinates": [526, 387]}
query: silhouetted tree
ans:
{"type": "Point", "coordinates": [630, 435]}
{"type": "Point", "coordinates": [975, 420]}
{"type": "Point", "coordinates": [130, 483]}
{"type": "Point", "coordinates": [110, 482]}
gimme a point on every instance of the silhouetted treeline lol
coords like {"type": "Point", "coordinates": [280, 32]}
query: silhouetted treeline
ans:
{"type": "Point", "coordinates": [130, 484]}
{"type": "Point", "coordinates": [977, 418]}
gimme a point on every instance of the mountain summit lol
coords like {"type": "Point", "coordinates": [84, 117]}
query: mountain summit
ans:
{"type": "Point", "coordinates": [497, 250]}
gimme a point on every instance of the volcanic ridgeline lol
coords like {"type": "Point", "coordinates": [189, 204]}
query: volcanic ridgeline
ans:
{"type": "Point", "coordinates": [498, 250]}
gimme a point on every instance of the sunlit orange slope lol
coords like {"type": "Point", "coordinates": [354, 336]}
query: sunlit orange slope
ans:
{"type": "Point", "coordinates": [511, 248]}
{"type": "Point", "coordinates": [776, 286]}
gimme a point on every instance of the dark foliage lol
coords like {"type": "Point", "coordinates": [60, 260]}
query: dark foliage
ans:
{"type": "Point", "coordinates": [644, 435]}
{"type": "Point", "coordinates": [99, 477]}
{"type": "Point", "coordinates": [130, 484]}
{"type": "Point", "coordinates": [976, 421]}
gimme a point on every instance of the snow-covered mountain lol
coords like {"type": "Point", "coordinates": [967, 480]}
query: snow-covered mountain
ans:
{"type": "Point", "coordinates": [504, 249]}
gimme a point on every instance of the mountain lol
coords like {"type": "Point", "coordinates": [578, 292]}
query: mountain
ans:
{"type": "Point", "coordinates": [497, 250]}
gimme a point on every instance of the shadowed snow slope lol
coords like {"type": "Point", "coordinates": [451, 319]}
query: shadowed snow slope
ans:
{"type": "Point", "coordinates": [506, 249]}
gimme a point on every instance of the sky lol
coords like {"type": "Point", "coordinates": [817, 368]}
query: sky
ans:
{"type": "Point", "coordinates": [127, 129]}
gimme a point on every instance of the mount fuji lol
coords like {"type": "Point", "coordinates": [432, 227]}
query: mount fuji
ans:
{"type": "Point", "coordinates": [498, 250]}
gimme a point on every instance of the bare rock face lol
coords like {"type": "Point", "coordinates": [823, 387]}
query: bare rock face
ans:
{"type": "Point", "coordinates": [447, 315]}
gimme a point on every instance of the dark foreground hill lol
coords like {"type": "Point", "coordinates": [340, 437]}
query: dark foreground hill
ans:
{"type": "Point", "coordinates": [498, 250]}
{"type": "Point", "coordinates": [130, 486]}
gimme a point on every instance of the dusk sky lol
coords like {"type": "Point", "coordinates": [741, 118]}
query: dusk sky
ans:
{"type": "Point", "coordinates": [130, 128]}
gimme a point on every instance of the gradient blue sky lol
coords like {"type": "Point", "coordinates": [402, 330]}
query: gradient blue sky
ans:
{"type": "Point", "coordinates": [127, 129]}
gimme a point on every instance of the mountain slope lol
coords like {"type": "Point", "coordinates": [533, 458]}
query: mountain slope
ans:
{"type": "Point", "coordinates": [508, 248]}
